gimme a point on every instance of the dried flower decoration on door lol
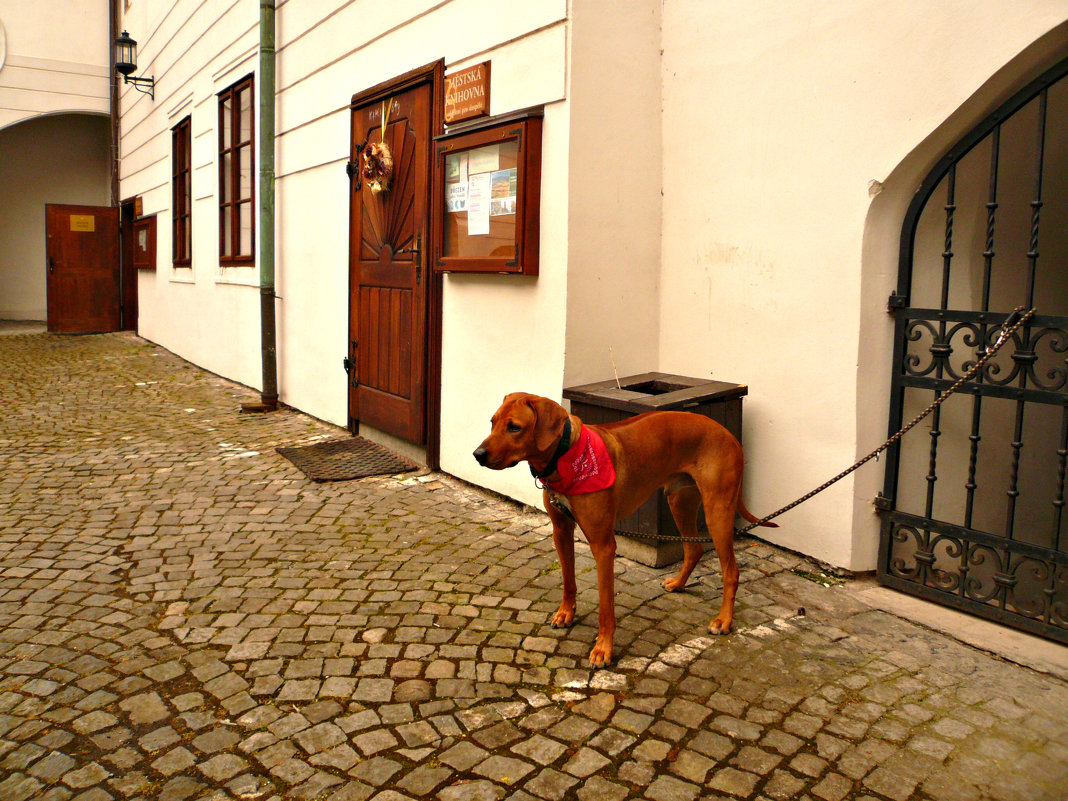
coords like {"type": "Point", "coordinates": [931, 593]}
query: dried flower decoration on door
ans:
{"type": "Point", "coordinates": [377, 159]}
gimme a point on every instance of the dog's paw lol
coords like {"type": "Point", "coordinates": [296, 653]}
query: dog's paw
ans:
{"type": "Point", "coordinates": [563, 618]}
{"type": "Point", "coordinates": [601, 655]}
{"type": "Point", "coordinates": [674, 584]}
{"type": "Point", "coordinates": [719, 626]}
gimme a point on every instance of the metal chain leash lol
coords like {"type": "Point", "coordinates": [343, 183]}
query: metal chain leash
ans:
{"type": "Point", "coordinates": [1006, 334]}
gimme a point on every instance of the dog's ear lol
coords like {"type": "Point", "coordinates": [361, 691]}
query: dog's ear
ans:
{"type": "Point", "coordinates": [548, 423]}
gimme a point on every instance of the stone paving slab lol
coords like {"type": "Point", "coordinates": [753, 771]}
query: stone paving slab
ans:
{"type": "Point", "coordinates": [183, 615]}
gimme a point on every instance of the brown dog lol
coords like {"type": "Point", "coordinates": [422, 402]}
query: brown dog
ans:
{"type": "Point", "coordinates": [694, 459]}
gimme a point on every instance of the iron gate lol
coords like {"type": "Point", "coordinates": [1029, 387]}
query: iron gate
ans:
{"type": "Point", "coordinates": [974, 515]}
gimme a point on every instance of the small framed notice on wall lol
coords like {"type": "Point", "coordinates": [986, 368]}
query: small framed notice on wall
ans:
{"type": "Point", "coordinates": [144, 244]}
{"type": "Point", "coordinates": [487, 195]}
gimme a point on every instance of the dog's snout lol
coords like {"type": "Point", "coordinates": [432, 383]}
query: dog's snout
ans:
{"type": "Point", "coordinates": [481, 455]}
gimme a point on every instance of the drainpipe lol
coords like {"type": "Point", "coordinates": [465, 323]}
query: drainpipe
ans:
{"type": "Point", "coordinates": [113, 109]}
{"type": "Point", "coordinates": [268, 334]}
{"type": "Point", "coordinates": [113, 80]}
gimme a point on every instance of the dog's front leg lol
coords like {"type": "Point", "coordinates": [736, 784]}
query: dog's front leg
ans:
{"type": "Point", "coordinates": [564, 540]}
{"type": "Point", "coordinates": [602, 541]}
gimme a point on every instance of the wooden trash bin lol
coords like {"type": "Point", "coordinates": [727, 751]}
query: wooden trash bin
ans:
{"type": "Point", "coordinates": [605, 402]}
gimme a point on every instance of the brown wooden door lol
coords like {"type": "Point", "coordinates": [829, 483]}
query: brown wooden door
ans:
{"type": "Point", "coordinates": [82, 253]}
{"type": "Point", "coordinates": [388, 272]}
{"type": "Point", "coordinates": [129, 272]}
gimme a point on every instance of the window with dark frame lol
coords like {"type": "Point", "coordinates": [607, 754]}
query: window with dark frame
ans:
{"type": "Point", "coordinates": [181, 195]}
{"type": "Point", "coordinates": [237, 224]}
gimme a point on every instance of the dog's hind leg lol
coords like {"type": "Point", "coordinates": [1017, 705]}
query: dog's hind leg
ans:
{"type": "Point", "coordinates": [685, 501]}
{"type": "Point", "coordinates": [719, 515]}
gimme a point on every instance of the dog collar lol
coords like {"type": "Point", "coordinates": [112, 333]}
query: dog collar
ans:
{"type": "Point", "coordinates": [561, 449]}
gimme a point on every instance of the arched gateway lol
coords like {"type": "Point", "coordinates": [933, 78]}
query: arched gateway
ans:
{"type": "Point", "coordinates": [974, 515]}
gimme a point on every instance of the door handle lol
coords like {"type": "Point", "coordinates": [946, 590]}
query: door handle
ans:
{"type": "Point", "coordinates": [416, 251]}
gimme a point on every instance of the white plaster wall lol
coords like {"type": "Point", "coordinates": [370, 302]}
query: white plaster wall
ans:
{"type": "Point", "coordinates": [206, 314]}
{"type": "Point", "coordinates": [595, 300]}
{"type": "Point", "coordinates": [57, 58]}
{"type": "Point", "coordinates": [327, 51]}
{"type": "Point", "coordinates": [614, 198]}
{"type": "Point", "coordinates": [322, 63]}
{"type": "Point", "coordinates": [776, 118]}
{"type": "Point", "coordinates": [61, 158]}
{"type": "Point", "coordinates": [506, 333]}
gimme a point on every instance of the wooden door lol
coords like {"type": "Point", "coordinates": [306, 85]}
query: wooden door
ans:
{"type": "Point", "coordinates": [388, 272]}
{"type": "Point", "coordinates": [129, 271]}
{"type": "Point", "coordinates": [82, 251]}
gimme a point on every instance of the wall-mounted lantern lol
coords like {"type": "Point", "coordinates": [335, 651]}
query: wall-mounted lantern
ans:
{"type": "Point", "coordinates": [126, 63]}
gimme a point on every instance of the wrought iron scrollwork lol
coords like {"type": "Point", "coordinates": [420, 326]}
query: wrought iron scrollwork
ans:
{"type": "Point", "coordinates": [950, 562]}
{"type": "Point", "coordinates": [1031, 577]}
{"type": "Point", "coordinates": [1037, 356]}
{"type": "Point", "coordinates": [914, 332]}
{"type": "Point", "coordinates": [1056, 341]}
{"type": "Point", "coordinates": [946, 569]}
{"type": "Point", "coordinates": [941, 348]}
{"type": "Point", "coordinates": [899, 563]}
{"type": "Point", "coordinates": [983, 563]}
{"type": "Point", "coordinates": [1058, 593]}
{"type": "Point", "coordinates": [972, 336]}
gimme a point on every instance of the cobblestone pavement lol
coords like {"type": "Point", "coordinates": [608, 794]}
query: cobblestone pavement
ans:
{"type": "Point", "coordinates": [184, 615]}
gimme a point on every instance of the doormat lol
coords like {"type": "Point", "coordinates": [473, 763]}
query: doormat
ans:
{"type": "Point", "coordinates": [345, 459]}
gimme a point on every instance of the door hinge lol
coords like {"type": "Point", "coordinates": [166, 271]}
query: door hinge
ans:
{"type": "Point", "coordinates": [352, 169]}
{"type": "Point", "coordinates": [896, 301]}
{"type": "Point", "coordinates": [350, 367]}
{"type": "Point", "coordinates": [349, 362]}
{"type": "Point", "coordinates": [882, 503]}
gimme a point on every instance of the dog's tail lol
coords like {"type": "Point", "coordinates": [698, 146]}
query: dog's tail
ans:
{"type": "Point", "coordinates": [750, 517]}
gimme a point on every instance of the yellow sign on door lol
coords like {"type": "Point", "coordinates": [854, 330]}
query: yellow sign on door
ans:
{"type": "Point", "coordinates": [82, 222]}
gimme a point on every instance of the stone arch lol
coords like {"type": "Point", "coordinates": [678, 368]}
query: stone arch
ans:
{"type": "Point", "coordinates": [890, 199]}
{"type": "Point", "coordinates": [62, 157]}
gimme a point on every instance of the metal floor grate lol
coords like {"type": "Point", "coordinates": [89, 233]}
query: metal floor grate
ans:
{"type": "Point", "coordinates": [345, 459]}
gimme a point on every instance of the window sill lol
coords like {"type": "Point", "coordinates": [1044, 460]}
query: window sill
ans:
{"type": "Point", "coordinates": [238, 274]}
{"type": "Point", "coordinates": [225, 281]}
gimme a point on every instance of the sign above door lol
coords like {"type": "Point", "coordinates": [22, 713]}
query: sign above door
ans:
{"type": "Point", "coordinates": [467, 93]}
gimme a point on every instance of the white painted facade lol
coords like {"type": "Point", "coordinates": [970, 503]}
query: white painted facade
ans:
{"type": "Point", "coordinates": [817, 122]}
{"type": "Point", "coordinates": [723, 186]}
{"type": "Point", "coordinates": [54, 135]}
{"type": "Point", "coordinates": [54, 58]}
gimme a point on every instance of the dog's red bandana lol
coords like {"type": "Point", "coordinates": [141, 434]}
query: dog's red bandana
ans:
{"type": "Point", "coordinates": [585, 466]}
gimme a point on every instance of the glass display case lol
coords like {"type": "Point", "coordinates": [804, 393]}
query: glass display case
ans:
{"type": "Point", "coordinates": [488, 195]}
